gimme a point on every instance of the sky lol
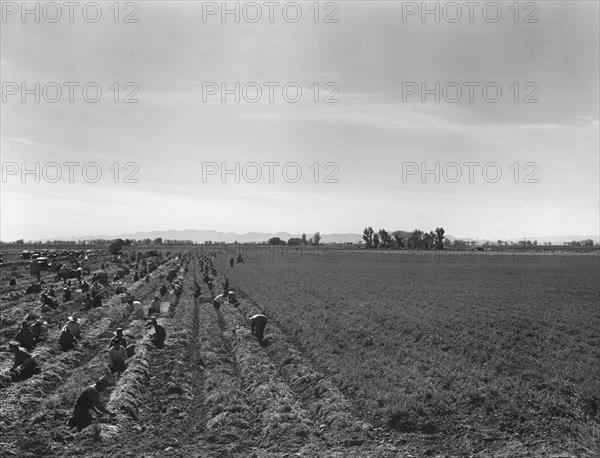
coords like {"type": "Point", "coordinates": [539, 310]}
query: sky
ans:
{"type": "Point", "coordinates": [484, 121]}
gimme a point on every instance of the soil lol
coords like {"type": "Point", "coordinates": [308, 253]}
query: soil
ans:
{"type": "Point", "coordinates": [212, 391]}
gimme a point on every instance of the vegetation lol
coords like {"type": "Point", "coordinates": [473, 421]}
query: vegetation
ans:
{"type": "Point", "coordinates": [487, 354]}
{"type": "Point", "coordinates": [416, 240]}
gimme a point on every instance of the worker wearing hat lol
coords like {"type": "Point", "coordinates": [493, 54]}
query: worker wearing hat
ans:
{"type": "Point", "coordinates": [23, 360]}
{"type": "Point", "coordinates": [73, 325]}
{"type": "Point", "coordinates": [154, 306]}
{"type": "Point", "coordinates": [66, 340]}
{"type": "Point", "coordinates": [218, 300]}
{"type": "Point", "coordinates": [232, 298]}
{"type": "Point", "coordinates": [197, 289]}
{"type": "Point", "coordinates": [158, 339]}
{"type": "Point", "coordinates": [257, 326]}
{"type": "Point", "coordinates": [138, 309]}
{"type": "Point", "coordinates": [118, 336]}
{"type": "Point", "coordinates": [38, 329]}
{"type": "Point", "coordinates": [89, 399]}
{"type": "Point", "coordinates": [25, 336]}
{"type": "Point", "coordinates": [117, 357]}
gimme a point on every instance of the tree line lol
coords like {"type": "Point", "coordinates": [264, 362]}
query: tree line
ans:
{"type": "Point", "coordinates": [302, 240]}
{"type": "Point", "coordinates": [416, 240]}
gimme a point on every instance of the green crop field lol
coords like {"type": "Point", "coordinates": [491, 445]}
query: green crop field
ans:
{"type": "Point", "coordinates": [476, 354]}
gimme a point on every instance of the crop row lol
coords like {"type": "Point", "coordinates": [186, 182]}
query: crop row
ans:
{"type": "Point", "coordinates": [45, 400]}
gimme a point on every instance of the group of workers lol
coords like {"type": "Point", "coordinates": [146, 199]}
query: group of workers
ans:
{"type": "Point", "coordinates": [258, 322]}
{"type": "Point", "coordinates": [28, 336]}
{"type": "Point", "coordinates": [118, 350]}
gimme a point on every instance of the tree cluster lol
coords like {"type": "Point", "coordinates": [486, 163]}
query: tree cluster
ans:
{"type": "Point", "coordinates": [314, 240]}
{"type": "Point", "coordinates": [416, 240]}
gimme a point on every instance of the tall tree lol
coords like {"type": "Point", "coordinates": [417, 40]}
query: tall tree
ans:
{"type": "Point", "coordinates": [439, 238]}
{"type": "Point", "coordinates": [385, 238]}
{"type": "Point", "coordinates": [375, 241]}
{"type": "Point", "coordinates": [398, 241]}
{"type": "Point", "coordinates": [368, 236]}
{"type": "Point", "coordinates": [415, 241]}
{"type": "Point", "coordinates": [316, 238]}
{"type": "Point", "coordinates": [428, 240]}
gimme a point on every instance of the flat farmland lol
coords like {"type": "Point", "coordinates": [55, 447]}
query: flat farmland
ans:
{"type": "Point", "coordinates": [487, 357]}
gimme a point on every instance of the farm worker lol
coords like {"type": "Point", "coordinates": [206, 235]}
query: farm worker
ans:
{"type": "Point", "coordinates": [64, 273]}
{"type": "Point", "coordinates": [97, 300]}
{"type": "Point", "coordinates": [119, 288]}
{"type": "Point", "coordinates": [38, 330]}
{"type": "Point", "coordinates": [73, 325]}
{"type": "Point", "coordinates": [197, 289]}
{"type": "Point", "coordinates": [22, 358]}
{"type": "Point", "coordinates": [226, 285]}
{"type": "Point", "coordinates": [88, 399]}
{"type": "Point", "coordinates": [158, 339]}
{"type": "Point", "coordinates": [13, 281]}
{"type": "Point", "coordinates": [85, 286]}
{"type": "Point", "coordinates": [163, 290]}
{"type": "Point", "coordinates": [218, 300]}
{"type": "Point", "coordinates": [257, 326]}
{"type": "Point", "coordinates": [51, 292]}
{"type": "Point", "coordinates": [138, 310]}
{"type": "Point", "coordinates": [117, 355]}
{"type": "Point", "coordinates": [136, 276]}
{"type": "Point", "coordinates": [118, 336]}
{"type": "Point", "coordinates": [87, 302]}
{"type": "Point", "coordinates": [231, 262]}
{"type": "Point", "coordinates": [232, 298]}
{"type": "Point", "coordinates": [154, 306]}
{"type": "Point", "coordinates": [95, 288]}
{"type": "Point", "coordinates": [25, 336]}
{"type": "Point", "coordinates": [67, 293]}
{"type": "Point", "coordinates": [46, 301]}
{"type": "Point", "coordinates": [66, 340]}
{"type": "Point", "coordinates": [79, 272]}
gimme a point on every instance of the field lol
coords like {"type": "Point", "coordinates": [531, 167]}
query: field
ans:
{"type": "Point", "coordinates": [482, 357]}
{"type": "Point", "coordinates": [366, 355]}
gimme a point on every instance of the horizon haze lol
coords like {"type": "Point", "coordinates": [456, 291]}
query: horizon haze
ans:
{"type": "Point", "coordinates": [201, 236]}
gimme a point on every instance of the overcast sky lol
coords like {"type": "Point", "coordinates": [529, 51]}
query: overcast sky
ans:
{"type": "Point", "coordinates": [372, 144]}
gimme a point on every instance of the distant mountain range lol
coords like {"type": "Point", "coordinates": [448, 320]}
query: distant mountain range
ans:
{"type": "Point", "coordinates": [216, 236]}
{"type": "Point", "coordinates": [202, 236]}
